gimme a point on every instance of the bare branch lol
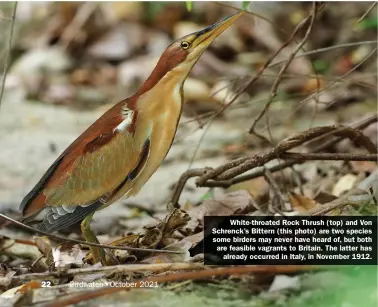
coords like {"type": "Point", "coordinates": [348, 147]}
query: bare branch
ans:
{"type": "Point", "coordinates": [367, 12]}
{"type": "Point", "coordinates": [328, 156]}
{"type": "Point", "coordinates": [273, 92]}
{"type": "Point", "coordinates": [182, 181]}
{"type": "Point", "coordinates": [229, 173]}
{"type": "Point", "coordinates": [8, 53]}
{"type": "Point", "coordinates": [326, 49]}
{"type": "Point", "coordinates": [290, 143]}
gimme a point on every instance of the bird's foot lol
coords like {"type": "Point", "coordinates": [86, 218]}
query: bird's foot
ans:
{"type": "Point", "coordinates": [96, 255]}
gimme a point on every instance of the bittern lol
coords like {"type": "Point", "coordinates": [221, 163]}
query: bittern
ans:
{"type": "Point", "coordinates": [119, 152]}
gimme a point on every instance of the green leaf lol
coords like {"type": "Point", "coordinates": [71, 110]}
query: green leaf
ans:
{"type": "Point", "coordinates": [245, 4]}
{"type": "Point", "coordinates": [320, 65]}
{"type": "Point", "coordinates": [189, 5]}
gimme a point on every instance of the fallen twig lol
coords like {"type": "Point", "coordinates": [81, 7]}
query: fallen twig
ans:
{"type": "Point", "coordinates": [123, 268]}
{"type": "Point", "coordinates": [136, 249]}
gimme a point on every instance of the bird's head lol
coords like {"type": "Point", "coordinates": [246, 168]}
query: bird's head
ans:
{"type": "Point", "coordinates": [179, 57]}
{"type": "Point", "coordinates": [188, 49]}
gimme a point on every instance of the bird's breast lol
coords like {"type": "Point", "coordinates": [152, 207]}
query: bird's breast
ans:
{"type": "Point", "coordinates": [163, 119]}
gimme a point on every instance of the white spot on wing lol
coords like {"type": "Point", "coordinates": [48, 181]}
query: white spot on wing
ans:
{"type": "Point", "coordinates": [128, 118]}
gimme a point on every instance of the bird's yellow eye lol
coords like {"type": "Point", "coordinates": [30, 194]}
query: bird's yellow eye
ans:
{"type": "Point", "coordinates": [185, 45]}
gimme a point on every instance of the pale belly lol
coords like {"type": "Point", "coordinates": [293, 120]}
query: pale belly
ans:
{"type": "Point", "coordinates": [162, 135]}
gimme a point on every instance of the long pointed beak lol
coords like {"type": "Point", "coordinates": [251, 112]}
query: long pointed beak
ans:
{"type": "Point", "coordinates": [207, 35]}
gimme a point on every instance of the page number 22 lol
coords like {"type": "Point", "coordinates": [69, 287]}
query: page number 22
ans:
{"type": "Point", "coordinates": [46, 283]}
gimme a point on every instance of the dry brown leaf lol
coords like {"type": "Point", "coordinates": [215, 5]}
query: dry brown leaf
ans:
{"type": "Point", "coordinates": [312, 85]}
{"type": "Point", "coordinates": [33, 284]}
{"type": "Point", "coordinates": [193, 239]}
{"type": "Point", "coordinates": [257, 187]}
{"type": "Point", "coordinates": [175, 221]}
{"type": "Point", "coordinates": [44, 246]}
{"type": "Point", "coordinates": [21, 296]}
{"type": "Point", "coordinates": [302, 204]}
{"type": "Point", "coordinates": [324, 197]}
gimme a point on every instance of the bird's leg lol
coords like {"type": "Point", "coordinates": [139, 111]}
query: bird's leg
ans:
{"type": "Point", "coordinates": [97, 253]}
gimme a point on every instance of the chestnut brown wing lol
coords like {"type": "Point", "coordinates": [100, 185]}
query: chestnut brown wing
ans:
{"type": "Point", "coordinates": [95, 174]}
